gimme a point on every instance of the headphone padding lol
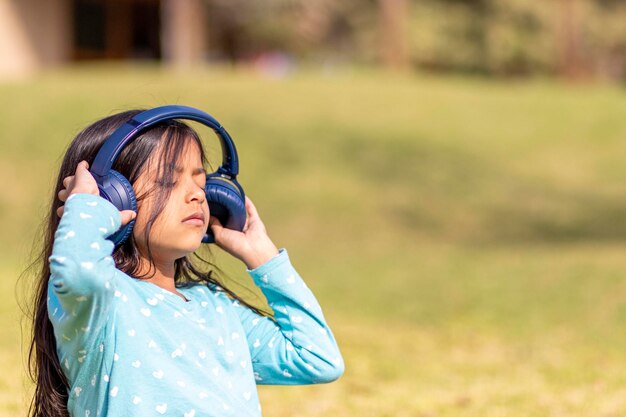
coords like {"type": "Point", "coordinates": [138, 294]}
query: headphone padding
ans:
{"type": "Point", "coordinates": [127, 201]}
{"type": "Point", "coordinates": [225, 203]}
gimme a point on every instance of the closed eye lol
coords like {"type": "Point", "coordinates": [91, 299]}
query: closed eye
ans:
{"type": "Point", "coordinates": [196, 171]}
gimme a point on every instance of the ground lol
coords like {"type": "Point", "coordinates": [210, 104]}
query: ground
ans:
{"type": "Point", "coordinates": [465, 237]}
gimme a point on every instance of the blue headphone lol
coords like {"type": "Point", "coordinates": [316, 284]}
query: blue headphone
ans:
{"type": "Point", "coordinates": [223, 193]}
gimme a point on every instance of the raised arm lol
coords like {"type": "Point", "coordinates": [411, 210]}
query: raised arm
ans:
{"type": "Point", "coordinates": [81, 288]}
{"type": "Point", "coordinates": [297, 348]}
{"type": "Point", "coordinates": [82, 272]}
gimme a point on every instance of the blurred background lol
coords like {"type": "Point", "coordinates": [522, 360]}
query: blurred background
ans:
{"type": "Point", "coordinates": [447, 175]}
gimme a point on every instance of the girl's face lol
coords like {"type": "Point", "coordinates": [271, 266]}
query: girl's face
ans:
{"type": "Point", "coordinates": [170, 236]}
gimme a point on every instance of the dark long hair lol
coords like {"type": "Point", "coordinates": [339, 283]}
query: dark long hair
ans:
{"type": "Point", "coordinates": [51, 390]}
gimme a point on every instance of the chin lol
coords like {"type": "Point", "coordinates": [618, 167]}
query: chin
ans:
{"type": "Point", "coordinates": [186, 249]}
{"type": "Point", "coordinates": [195, 245]}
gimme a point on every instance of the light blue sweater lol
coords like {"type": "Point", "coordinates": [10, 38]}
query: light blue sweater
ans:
{"type": "Point", "coordinates": [131, 348]}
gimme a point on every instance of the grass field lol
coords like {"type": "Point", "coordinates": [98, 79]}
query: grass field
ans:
{"type": "Point", "coordinates": [464, 237]}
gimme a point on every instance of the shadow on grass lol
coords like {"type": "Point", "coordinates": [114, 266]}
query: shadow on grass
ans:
{"type": "Point", "coordinates": [460, 196]}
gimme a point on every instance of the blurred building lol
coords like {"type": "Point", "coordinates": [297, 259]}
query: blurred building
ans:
{"type": "Point", "coordinates": [37, 34]}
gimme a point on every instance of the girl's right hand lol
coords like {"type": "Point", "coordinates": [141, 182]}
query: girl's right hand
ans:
{"type": "Point", "coordinates": [82, 182]}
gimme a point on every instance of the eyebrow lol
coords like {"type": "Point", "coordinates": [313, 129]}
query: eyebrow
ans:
{"type": "Point", "coordinates": [195, 171]}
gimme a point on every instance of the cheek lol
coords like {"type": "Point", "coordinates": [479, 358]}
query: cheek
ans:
{"type": "Point", "coordinates": [159, 226]}
{"type": "Point", "coordinates": [144, 210]}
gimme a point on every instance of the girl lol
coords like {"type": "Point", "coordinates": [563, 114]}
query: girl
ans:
{"type": "Point", "coordinates": [145, 329]}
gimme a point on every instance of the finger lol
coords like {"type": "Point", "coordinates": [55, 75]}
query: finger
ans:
{"type": "Point", "coordinates": [127, 216]}
{"type": "Point", "coordinates": [216, 227]}
{"type": "Point", "coordinates": [84, 180]}
{"type": "Point", "coordinates": [251, 209]}
{"type": "Point", "coordinates": [60, 211]}
{"type": "Point", "coordinates": [62, 195]}
{"type": "Point", "coordinates": [82, 168]}
{"type": "Point", "coordinates": [67, 181]}
{"type": "Point", "coordinates": [214, 222]}
{"type": "Point", "coordinates": [82, 165]}
{"type": "Point", "coordinates": [253, 220]}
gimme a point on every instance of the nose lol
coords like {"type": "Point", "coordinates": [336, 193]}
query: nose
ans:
{"type": "Point", "coordinates": [196, 193]}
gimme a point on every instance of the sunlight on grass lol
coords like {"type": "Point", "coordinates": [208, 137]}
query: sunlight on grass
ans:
{"type": "Point", "coordinates": [464, 237]}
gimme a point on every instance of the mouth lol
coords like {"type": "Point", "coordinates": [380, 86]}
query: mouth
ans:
{"type": "Point", "coordinates": [196, 219]}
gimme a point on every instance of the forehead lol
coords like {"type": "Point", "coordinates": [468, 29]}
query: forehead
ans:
{"type": "Point", "coordinates": [158, 164]}
{"type": "Point", "coordinates": [188, 153]}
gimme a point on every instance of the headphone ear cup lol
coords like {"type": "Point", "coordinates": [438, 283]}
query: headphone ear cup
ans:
{"type": "Point", "coordinates": [226, 203]}
{"type": "Point", "coordinates": [120, 193]}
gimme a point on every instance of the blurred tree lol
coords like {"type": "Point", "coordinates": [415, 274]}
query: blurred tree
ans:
{"type": "Point", "coordinates": [606, 37]}
{"type": "Point", "coordinates": [494, 37]}
{"type": "Point", "coordinates": [243, 29]}
{"type": "Point", "coordinates": [520, 38]}
{"type": "Point", "coordinates": [449, 34]}
{"type": "Point", "coordinates": [393, 37]}
{"type": "Point", "coordinates": [228, 22]}
{"type": "Point", "coordinates": [570, 64]}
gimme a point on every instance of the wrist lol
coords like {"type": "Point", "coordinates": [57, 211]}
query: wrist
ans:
{"type": "Point", "coordinates": [259, 257]}
{"type": "Point", "coordinates": [84, 191]}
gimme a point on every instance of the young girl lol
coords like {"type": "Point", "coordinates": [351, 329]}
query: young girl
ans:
{"type": "Point", "coordinates": [143, 329]}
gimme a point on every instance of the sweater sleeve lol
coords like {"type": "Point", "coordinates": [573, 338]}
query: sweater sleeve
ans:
{"type": "Point", "coordinates": [298, 347]}
{"type": "Point", "coordinates": [82, 272]}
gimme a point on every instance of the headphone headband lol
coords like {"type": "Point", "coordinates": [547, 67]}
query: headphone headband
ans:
{"type": "Point", "coordinates": [148, 118]}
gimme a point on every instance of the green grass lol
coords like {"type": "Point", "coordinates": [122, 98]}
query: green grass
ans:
{"type": "Point", "coordinates": [464, 237]}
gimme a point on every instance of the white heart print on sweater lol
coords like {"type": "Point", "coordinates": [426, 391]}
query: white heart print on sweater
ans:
{"type": "Point", "coordinates": [85, 243]}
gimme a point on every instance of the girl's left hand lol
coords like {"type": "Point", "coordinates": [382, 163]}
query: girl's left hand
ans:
{"type": "Point", "coordinates": [252, 246]}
